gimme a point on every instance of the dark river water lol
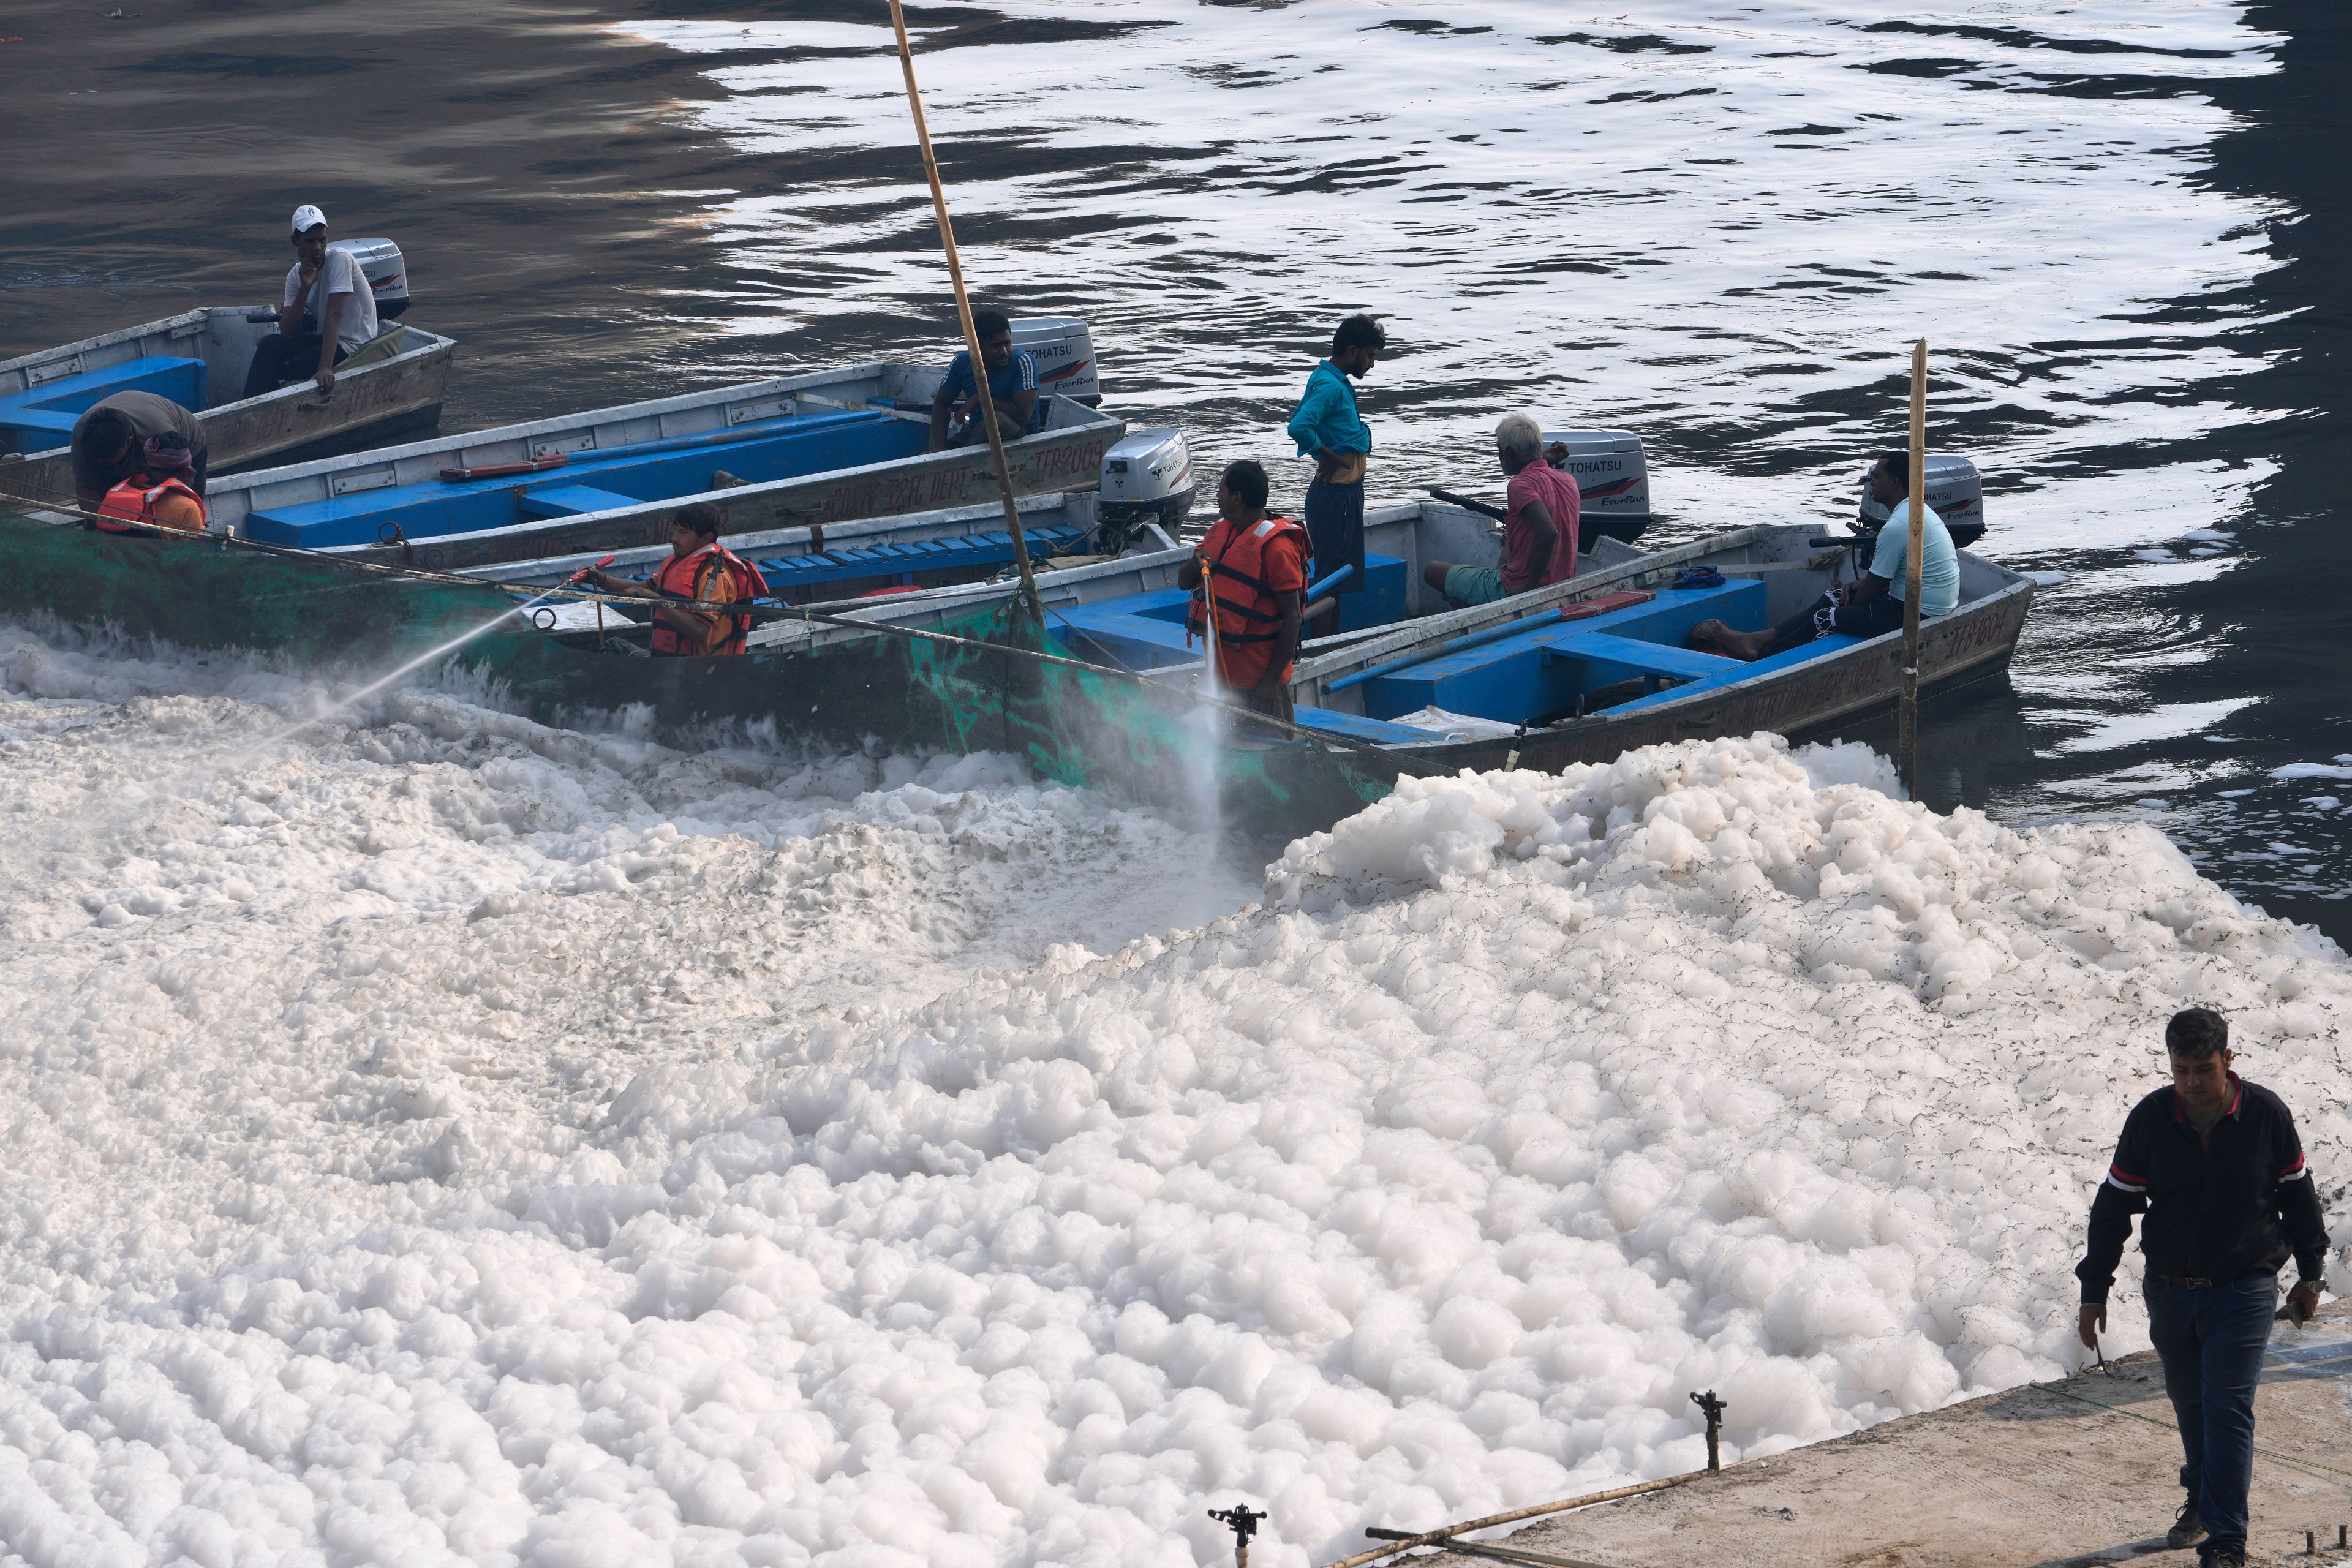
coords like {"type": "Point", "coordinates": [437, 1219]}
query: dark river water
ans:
{"type": "Point", "coordinates": [2120, 224]}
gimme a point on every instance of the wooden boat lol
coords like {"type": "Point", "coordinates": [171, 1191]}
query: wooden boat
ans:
{"type": "Point", "coordinates": [311, 609]}
{"type": "Point", "coordinates": [811, 450]}
{"type": "Point", "coordinates": [1105, 693]}
{"type": "Point", "coordinates": [199, 359]}
{"type": "Point", "coordinates": [1579, 672]}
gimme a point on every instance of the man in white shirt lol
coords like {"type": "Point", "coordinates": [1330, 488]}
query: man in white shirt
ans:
{"type": "Point", "coordinates": [328, 311]}
{"type": "Point", "coordinates": [1872, 605]}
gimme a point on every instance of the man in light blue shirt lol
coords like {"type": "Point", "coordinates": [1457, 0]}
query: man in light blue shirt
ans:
{"type": "Point", "coordinates": [1328, 427]}
{"type": "Point", "coordinates": [1872, 607]}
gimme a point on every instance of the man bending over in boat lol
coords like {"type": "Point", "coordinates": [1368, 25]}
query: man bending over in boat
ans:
{"type": "Point", "coordinates": [698, 569]}
{"type": "Point", "coordinates": [1873, 606]}
{"type": "Point", "coordinates": [109, 444]}
{"type": "Point", "coordinates": [1259, 564]}
{"type": "Point", "coordinates": [161, 493]}
{"type": "Point", "coordinates": [1540, 524]}
{"type": "Point", "coordinates": [1011, 385]}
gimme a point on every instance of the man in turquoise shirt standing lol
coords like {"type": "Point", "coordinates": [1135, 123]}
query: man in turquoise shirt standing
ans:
{"type": "Point", "coordinates": [1873, 606]}
{"type": "Point", "coordinates": [1328, 427]}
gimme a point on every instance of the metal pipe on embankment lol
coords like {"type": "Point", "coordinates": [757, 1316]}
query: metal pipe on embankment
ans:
{"type": "Point", "coordinates": [1444, 1537]}
{"type": "Point", "coordinates": [1498, 1554]}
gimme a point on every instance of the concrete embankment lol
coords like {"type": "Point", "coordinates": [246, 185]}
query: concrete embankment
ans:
{"type": "Point", "coordinates": [2060, 1474]}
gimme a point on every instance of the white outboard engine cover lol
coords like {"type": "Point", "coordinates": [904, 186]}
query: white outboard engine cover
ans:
{"type": "Point", "coordinates": [1064, 351]}
{"type": "Point", "coordinates": [1954, 494]}
{"type": "Point", "coordinates": [1611, 473]}
{"type": "Point", "coordinates": [1146, 476]}
{"type": "Point", "coordinates": [386, 271]}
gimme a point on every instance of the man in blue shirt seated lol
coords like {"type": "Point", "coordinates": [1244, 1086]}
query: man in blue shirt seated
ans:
{"type": "Point", "coordinates": [1012, 383]}
{"type": "Point", "coordinates": [1873, 606]}
{"type": "Point", "coordinates": [1328, 427]}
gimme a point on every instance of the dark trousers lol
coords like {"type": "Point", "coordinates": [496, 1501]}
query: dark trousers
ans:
{"type": "Point", "coordinates": [2211, 1342]}
{"type": "Point", "coordinates": [1335, 531]}
{"type": "Point", "coordinates": [1872, 617]}
{"type": "Point", "coordinates": [281, 361]}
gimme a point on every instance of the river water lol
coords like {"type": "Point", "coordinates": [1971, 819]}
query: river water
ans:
{"type": "Point", "coordinates": [1719, 226]}
{"type": "Point", "coordinates": [434, 1138]}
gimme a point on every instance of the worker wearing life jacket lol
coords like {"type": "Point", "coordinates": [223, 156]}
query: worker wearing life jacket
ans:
{"type": "Point", "coordinates": [697, 570]}
{"type": "Point", "coordinates": [161, 494]}
{"type": "Point", "coordinates": [1258, 565]}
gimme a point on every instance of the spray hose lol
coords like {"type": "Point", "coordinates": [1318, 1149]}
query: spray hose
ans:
{"type": "Point", "coordinates": [1390, 760]}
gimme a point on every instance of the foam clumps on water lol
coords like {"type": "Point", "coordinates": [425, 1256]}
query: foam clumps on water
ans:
{"type": "Point", "coordinates": [470, 1143]}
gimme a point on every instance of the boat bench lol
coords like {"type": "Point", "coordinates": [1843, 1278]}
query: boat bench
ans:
{"type": "Point", "coordinates": [1146, 631]}
{"type": "Point", "coordinates": [657, 470]}
{"type": "Point", "coordinates": [43, 416]}
{"type": "Point", "coordinates": [1355, 727]}
{"type": "Point", "coordinates": [1746, 671]}
{"type": "Point", "coordinates": [1543, 670]}
{"type": "Point", "coordinates": [903, 558]}
{"type": "Point", "coordinates": [572, 500]}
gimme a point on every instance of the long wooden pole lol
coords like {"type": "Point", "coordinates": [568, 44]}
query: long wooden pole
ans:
{"type": "Point", "coordinates": [1438, 1537]}
{"type": "Point", "coordinates": [971, 334]}
{"type": "Point", "coordinates": [1907, 738]}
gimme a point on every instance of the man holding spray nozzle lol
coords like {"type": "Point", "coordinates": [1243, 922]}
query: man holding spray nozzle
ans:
{"type": "Point", "coordinates": [1258, 564]}
{"type": "Point", "coordinates": [699, 571]}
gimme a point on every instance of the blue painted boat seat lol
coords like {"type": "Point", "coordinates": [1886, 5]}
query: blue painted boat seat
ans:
{"type": "Point", "coordinates": [1643, 657]}
{"type": "Point", "coordinates": [57, 424]}
{"type": "Point", "coordinates": [1745, 671]}
{"type": "Point", "coordinates": [1378, 732]}
{"type": "Point", "coordinates": [906, 558]}
{"type": "Point", "coordinates": [43, 416]}
{"type": "Point", "coordinates": [1146, 631]}
{"type": "Point", "coordinates": [635, 474]}
{"type": "Point", "coordinates": [571, 500]}
{"type": "Point", "coordinates": [1544, 670]}
{"type": "Point", "coordinates": [181, 380]}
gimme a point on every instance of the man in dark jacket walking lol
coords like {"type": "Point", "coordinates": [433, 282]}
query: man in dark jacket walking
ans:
{"type": "Point", "coordinates": [2215, 1161]}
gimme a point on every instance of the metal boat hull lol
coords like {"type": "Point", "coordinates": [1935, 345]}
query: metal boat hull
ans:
{"type": "Point", "coordinates": [1066, 455]}
{"type": "Point", "coordinates": [384, 401]}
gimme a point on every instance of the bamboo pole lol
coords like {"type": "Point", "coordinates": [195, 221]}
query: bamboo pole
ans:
{"type": "Point", "coordinates": [964, 312]}
{"type": "Point", "coordinates": [1908, 733]}
{"type": "Point", "coordinates": [1438, 1537]}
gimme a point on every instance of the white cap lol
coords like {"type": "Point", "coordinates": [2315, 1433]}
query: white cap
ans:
{"type": "Point", "coordinates": [306, 218]}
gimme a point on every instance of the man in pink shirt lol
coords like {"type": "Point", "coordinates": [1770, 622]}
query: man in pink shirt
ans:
{"type": "Point", "coordinates": [1540, 524]}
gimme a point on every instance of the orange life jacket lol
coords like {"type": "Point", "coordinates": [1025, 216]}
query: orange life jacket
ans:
{"type": "Point", "coordinates": [1248, 611]}
{"type": "Point", "coordinates": [133, 501]}
{"type": "Point", "coordinates": [684, 577]}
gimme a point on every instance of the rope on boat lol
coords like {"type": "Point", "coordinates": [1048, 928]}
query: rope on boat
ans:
{"type": "Point", "coordinates": [1401, 763]}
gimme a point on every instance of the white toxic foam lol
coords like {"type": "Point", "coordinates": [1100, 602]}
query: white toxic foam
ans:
{"type": "Point", "coordinates": [448, 1141]}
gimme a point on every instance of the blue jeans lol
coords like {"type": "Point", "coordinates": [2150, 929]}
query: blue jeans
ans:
{"type": "Point", "coordinates": [2211, 1342]}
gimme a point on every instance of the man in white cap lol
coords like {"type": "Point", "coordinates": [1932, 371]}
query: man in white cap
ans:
{"type": "Point", "coordinates": [329, 310]}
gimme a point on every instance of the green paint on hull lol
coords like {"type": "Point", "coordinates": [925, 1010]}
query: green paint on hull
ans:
{"type": "Point", "coordinates": [882, 693]}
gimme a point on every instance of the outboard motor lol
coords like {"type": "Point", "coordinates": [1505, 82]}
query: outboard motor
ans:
{"type": "Point", "coordinates": [1954, 494]}
{"type": "Point", "coordinates": [1612, 476]}
{"type": "Point", "coordinates": [1146, 476]}
{"type": "Point", "coordinates": [1064, 352]}
{"type": "Point", "coordinates": [386, 271]}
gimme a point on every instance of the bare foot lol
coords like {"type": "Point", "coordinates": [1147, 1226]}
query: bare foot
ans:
{"type": "Point", "coordinates": [1734, 645]}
